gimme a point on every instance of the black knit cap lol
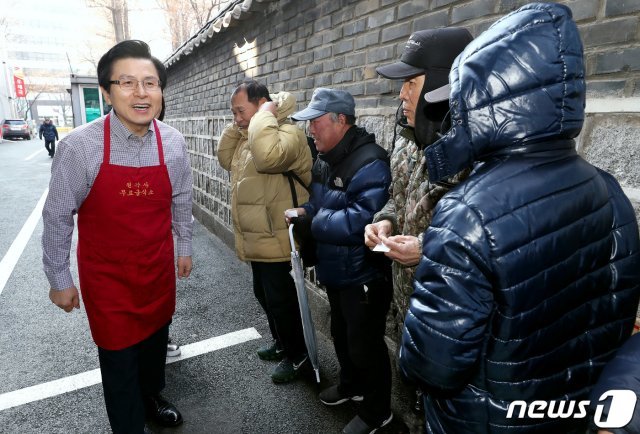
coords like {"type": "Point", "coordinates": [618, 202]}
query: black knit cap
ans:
{"type": "Point", "coordinates": [429, 52]}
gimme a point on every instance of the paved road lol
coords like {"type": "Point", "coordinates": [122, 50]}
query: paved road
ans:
{"type": "Point", "coordinates": [223, 390]}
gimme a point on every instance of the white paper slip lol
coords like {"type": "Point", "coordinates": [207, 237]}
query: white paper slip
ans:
{"type": "Point", "coordinates": [381, 248]}
{"type": "Point", "coordinates": [291, 213]}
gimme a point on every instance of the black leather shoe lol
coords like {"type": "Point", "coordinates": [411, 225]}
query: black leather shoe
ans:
{"type": "Point", "coordinates": [162, 411]}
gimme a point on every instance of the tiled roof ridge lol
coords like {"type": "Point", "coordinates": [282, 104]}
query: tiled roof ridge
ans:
{"type": "Point", "coordinates": [236, 10]}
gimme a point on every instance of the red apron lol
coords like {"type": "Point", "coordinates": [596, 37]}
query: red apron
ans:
{"type": "Point", "coordinates": [125, 251]}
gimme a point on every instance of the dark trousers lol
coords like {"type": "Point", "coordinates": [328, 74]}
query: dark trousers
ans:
{"type": "Point", "coordinates": [358, 320]}
{"type": "Point", "coordinates": [275, 290]}
{"type": "Point", "coordinates": [51, 146]}
{"type": "Point", "coordinates": [130, 374]}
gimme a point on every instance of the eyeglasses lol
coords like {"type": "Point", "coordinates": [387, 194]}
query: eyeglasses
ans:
{"type": "Point", "coordinates": [150, 84]}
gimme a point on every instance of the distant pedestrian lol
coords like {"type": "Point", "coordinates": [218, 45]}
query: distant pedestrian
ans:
{"type": "Point", "coordinates": [128, 179]}
{"type": "Point", "coordinates": [50, 133]}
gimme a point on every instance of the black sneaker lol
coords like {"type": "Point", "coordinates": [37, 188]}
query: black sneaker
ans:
{"type": "Point", "coordinates": [288, 370]}
{"type": "Point", "coordinates": [271, 352]}
{"type": "Point", "coordinates": [333, 396]}
{"type": "Point", "coordinates": [359, 426]}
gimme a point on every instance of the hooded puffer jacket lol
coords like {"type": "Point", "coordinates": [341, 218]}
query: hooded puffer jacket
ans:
{"type": "Point", "coordinates": [621, 373]}
{"type": "Point", "coordinates": [256, 158]}
{"type": "Point", "coordinates": [530, 275]}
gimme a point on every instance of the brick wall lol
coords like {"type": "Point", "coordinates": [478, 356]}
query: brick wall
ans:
{"type": "Point", "coordinates": [297, 46]}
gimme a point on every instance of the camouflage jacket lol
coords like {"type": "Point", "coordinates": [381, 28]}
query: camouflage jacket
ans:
{"type": "Point", "coordinates": [410, 208]}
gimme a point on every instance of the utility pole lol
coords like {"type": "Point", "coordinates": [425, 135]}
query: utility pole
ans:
{"type": "Point", "coordinates": [69, 61]}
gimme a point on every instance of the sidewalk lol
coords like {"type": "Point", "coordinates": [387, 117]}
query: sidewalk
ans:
{"type": "Point", "coordinates": [208, 245]}
{"type": "Point", "coordinates": [218, 299]}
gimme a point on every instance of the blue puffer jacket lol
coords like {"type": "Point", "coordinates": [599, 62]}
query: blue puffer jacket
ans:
{"type": "Point", "coordinates": [349, 185]}
{"type": "Point", "coordinates": [530, 275]}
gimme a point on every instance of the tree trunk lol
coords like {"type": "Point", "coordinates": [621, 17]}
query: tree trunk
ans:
{"type": "Point", "coordinates": [125, 19]}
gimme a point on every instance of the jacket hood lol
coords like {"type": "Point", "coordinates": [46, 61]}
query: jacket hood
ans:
{"type": "Point", "coordinates": [519, 82]}
{"type": "Point", "coordinates": [286, 103]}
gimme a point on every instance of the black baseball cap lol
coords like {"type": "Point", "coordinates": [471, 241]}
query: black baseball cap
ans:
{"type": "Point", "coordinates": [429, 52]}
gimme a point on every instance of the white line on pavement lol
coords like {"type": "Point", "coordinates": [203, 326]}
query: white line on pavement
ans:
{"type": "Point", "coordinates": [34, 154]}
{"type": "Point", "coordinates": [91, 378]}
{"type": "Point", "coordinates": [13, 254]}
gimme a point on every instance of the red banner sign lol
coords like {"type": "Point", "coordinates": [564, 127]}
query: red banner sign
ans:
{"type": "Point", "coordinates": [21, 91]}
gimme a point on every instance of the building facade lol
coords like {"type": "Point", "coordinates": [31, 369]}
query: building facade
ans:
{"type": "Point", "coordinates": [41, 42]}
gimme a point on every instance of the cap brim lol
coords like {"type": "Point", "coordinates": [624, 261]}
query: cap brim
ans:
{"type": "Point", "coordinates": [439, 94]}
{"type": "Point", "coordinates": [307, 114]}
{"type": "Point", "coordinates": [399, 70]}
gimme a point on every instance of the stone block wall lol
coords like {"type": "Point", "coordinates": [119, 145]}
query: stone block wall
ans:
{"type": "Point", "coordinates": [296, 46]}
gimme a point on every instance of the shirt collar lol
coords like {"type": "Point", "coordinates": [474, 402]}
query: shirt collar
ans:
{"type": "Point", "coordinates": [119, 129]}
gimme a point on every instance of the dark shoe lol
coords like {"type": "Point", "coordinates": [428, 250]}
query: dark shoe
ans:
{"type": "Point", "coordinates": [359, 426]}
{"type": "Point", "coordinates": [271, 352]}
{"type": "Point", "coordinates": [333, 396]}
{"type": "Point", "coordinates": [147, 430]}
{"type": "Point", "coordinates": [288, 370]}
{"type": "Point", "coordinates": [162, 411]}
{"type": "Point", "coordinates": [173, 350]}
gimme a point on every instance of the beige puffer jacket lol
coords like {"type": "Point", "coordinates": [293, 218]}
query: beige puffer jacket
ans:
{"type": "Point", "coordinates": [260, 194]}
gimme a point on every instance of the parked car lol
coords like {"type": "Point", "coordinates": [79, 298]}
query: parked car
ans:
{"type": "Point", "coordinates": [13, 128]}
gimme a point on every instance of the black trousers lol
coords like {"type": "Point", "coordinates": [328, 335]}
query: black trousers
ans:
{"type": "Point", "coordinates": [358, 320]}
{"type": "Point", "coordinates": [130, 374]}
{"type": "Point", "coordinates": [275, 290]}
{"type": "Point", "coordinates": [51, 146]}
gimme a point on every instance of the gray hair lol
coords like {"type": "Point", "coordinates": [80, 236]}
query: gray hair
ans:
{"type": "Point", "coordinates": [350, 120]}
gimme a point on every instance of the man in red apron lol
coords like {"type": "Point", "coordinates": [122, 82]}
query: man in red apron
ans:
{"type": "Point", "coordinates": [128, 178]}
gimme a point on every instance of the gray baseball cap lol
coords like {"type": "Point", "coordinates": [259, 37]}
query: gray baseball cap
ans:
{"type": "Point", "coordinates": [325, 101]}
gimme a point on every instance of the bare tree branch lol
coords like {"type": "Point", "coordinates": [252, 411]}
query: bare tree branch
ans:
{"type": "Point", "coordinates": [185, 18]}
{"type": "Point", "coordinates": [117, 14]}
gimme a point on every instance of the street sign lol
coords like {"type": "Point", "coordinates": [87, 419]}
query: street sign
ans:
{"type": "Point", "coordinates": [18, 82]}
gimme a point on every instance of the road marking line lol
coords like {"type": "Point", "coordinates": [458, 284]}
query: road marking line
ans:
{"type": "Point", "coordinates": [12, 256]}
{"type": "Point", "coordinates": [91, 378]}
{"type": "Point", "coordinates": [34, 154]}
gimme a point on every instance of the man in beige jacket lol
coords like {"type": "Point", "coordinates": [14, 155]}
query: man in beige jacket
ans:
{"type": "Point", "coordinates": [258, 148]}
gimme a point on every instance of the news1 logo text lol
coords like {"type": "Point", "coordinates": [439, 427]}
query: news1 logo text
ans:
{"type": "Point", "coordinates": [620, 406]}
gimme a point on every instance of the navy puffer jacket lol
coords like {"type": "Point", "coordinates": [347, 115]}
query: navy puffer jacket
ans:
{"type": "Point", "coordinates": [530, 275]}
{"type": "Point", "coordinates": [349, 185]}
{"type": "Point", "coordinates": [621, 373]}
{"type": "Point", "coordinates": [49, 131]}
